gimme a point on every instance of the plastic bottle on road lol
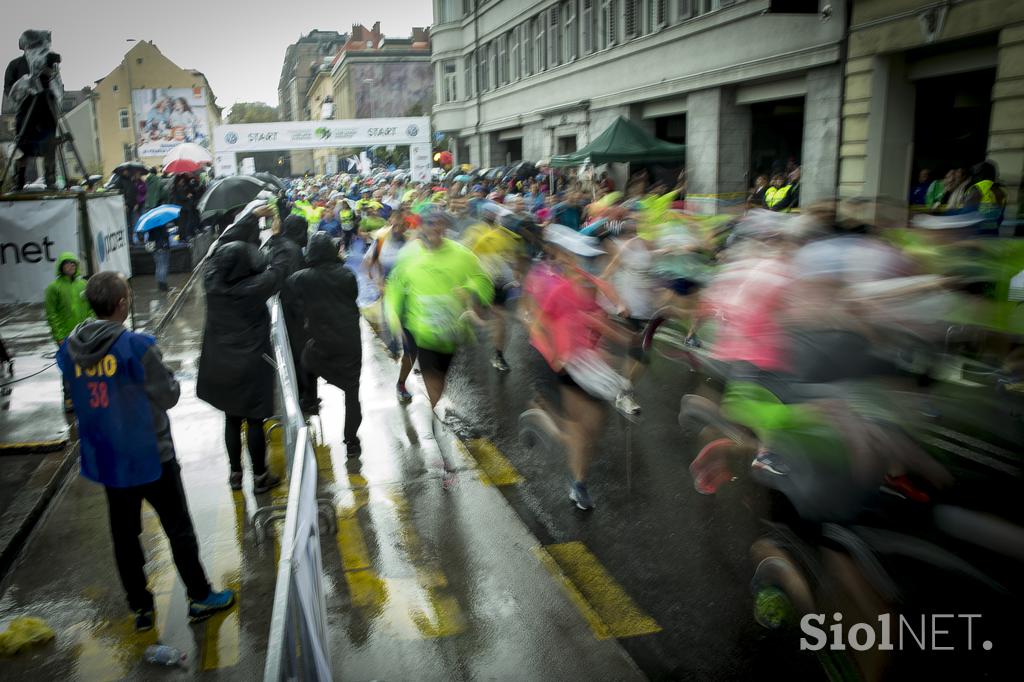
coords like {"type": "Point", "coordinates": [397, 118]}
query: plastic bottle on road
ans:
{"type": "Point", "coordinates": [164, 655]}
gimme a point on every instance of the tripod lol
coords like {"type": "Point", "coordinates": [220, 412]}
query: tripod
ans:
{"type": "Point", "coordinates": [63, 136]}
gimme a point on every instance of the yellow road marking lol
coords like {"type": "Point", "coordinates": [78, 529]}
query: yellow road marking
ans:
{"type": "Point", "coordinates": [602, 601]}
{"type": "Point", "coordinates": [220, 647]}
{"type": "Point", "coordinates": [499, 471]}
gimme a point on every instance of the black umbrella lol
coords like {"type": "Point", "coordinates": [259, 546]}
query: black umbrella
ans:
{"type": "Point", "coordinates": [523, 169]}
{"type": "Point", "coordinates": [131, 166]}
{"type": "Point", "coordinates": [270, 179]}
{"type": "Point", "coordinates": [228, 194]}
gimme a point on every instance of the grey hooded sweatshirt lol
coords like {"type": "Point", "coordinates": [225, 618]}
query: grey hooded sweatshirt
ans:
{"type": "Point", "coordinates": [91, 340]}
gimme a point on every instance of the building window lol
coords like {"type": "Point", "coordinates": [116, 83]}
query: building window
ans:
{"type": "Point", "coordinates": [571, 38]}
{"type": "Point", "coordinates": [122, 116]}
{"type": "Point", "coordinates": [129, 151]}
{"type": "Point", "coordinates": [469, 75]}
{"type": "Point", "coordinates": [609, 26]}
{"type": "Point", "coordinates": [449, 10]}
{"type": "Point", "coordinates": [501, 69]}
{"type": "Point", "coordinates": [513, 55]}
{"type": "Point", "coordinates": [632, 19]}
{"type": "Point", "coordinates": [540, 55]}
{"type": "Point", "coordinates": [483, 66]}
{"type": "Point", "coordinates": [450, 71]}
{"type": "Point", "coordinates": [554, 44]}
{"type": "Point", "coordinates": [115, 87]}
{"type": "Point", "coordinates": [588, 24]}
{"type": "Point", "coordinates": [659, 12]}
{"type": "Point", "coordinates": [684, 9]}
{"type": "Point", "coordinates": [526, 49]}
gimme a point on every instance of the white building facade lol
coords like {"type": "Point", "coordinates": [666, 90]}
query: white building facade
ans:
{"type": "Point", "coordinates": [747, 85]}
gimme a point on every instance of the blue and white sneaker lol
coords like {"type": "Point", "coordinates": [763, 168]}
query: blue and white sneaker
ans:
{"type": "Point", "coordinates": [214, 602]}
{"type": "Point", "coordinates": [578, 493]}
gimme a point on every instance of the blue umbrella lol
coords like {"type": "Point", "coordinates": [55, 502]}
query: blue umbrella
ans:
{"type": "Point", "coordinates": [157, 217]}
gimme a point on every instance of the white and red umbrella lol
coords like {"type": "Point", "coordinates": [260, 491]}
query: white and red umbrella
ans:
{"type": "Point", "coordinates": [189, 151]}
{"type": "Point", "coordinates": [182, 166]}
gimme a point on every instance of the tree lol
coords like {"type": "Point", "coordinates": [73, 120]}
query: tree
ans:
{"type": "Point", "coordinates": [251, 112]}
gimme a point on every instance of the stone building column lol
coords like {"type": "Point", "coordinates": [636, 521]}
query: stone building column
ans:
{"type": "Point", "coordinates": [1006, 129]}
{"type": "Point", "coordinates": [820, 148]}
{"type": "Point", "coordinates": [717, 147]}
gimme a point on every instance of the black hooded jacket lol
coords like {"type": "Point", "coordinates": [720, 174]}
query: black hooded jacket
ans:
{"type": "Point", "coordinates": [233, 376]}
{"type": "Point", "coordinates": [324, 294]}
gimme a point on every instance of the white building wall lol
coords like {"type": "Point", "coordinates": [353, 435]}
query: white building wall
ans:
{"type": "Point", "coordinates": [736, 44]}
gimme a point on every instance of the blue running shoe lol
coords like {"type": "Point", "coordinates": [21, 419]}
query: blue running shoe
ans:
{"type": "Point", "coordinates": [214, 602]}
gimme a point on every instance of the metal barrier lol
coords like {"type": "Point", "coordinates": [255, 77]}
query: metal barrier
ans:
{"type": "Point", "coordinates": [297, 643]}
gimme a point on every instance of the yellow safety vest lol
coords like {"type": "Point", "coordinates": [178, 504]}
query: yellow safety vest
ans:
{"type": "Point", "coordinates": [778, 196]}
{"type": "Point", "coordinates": [769, 196]}
{"type": "Point", "coordinates": [988, 207]}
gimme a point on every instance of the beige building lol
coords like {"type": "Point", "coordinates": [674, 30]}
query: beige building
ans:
{"type": "Point", "coordinates": [320, 102]}
{"type": "Point", "coordinates": [932, 85]}
{"type": "Point", "coordinates": [144, 67]}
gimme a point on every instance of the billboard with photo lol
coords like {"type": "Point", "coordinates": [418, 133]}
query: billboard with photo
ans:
{"type": "Point", "coordinates": [166, 117]}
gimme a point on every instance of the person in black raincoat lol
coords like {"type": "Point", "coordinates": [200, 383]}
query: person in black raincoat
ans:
{"type": "Point", "coordinates": [324, 294]}
{"type": "Point", "coordinates": [234, 376]}
{"type": "Point", "coordinates": [296, 235]}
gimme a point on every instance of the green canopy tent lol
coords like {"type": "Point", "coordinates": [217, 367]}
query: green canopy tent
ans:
{"type": "Point", "coordinates": [623, 141]}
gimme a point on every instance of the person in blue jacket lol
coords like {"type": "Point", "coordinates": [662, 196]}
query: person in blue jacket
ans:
{"type": "Point", "coordinates": [121, 391]}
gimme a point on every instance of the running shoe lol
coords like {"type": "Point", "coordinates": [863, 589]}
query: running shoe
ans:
{"type": "Point", "coordinates": [578, 493]}
{"type": "Point", "coordinates": [235, 480]}
{"type": "Point", "coordinates": [626, 403]}
{"type": "Point", "coordinates": [498, 362]}
{"type": "Point", "coordinates": [769, 463]}
{"type": "Point", "coordinates": [144, 619]}
{"type": "Point", "coordinates": [404, 396]}
{"type": "Point", "coordinates": [214, 602]}
{"type": "Point", "coordinates": [264, 482]}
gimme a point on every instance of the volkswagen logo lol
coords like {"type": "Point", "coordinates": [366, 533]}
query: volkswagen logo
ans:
{"type": "Point", "coordinates": [231, 138]}
{"type": "Point", "coordinates": [412, 131]}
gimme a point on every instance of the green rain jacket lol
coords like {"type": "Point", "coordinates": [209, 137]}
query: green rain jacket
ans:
{"type": "Point", "coordinates": [429, 290]}
{"type": "Point", "coordinates": [66, 306]}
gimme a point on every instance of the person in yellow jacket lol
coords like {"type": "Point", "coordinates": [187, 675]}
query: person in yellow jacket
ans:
{"type": "Point", "coordinates": [786, 197]}
{"type": "Point", "coordinates": [502, 254]}
{"type": "Point", "coordinates": [987, 197]}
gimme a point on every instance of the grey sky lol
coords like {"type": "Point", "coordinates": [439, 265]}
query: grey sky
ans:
{"type": "Point", "coordinates": [238, 44]}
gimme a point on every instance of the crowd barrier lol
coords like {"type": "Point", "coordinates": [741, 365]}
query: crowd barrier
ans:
{"type": "Point", "coordinates": [297, 646]}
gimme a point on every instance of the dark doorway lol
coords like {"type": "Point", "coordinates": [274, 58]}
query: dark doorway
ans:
{"type": "Point", "coordinates": [776, 135]}
{"type": "Point", "coordinates": [566, 144]}
{"type": "Point", "coordinates": [671, 128]}
{"type": "Point", "coordinates": [951, 119]}
{"type": "Point", "coordinates": [513, 151]}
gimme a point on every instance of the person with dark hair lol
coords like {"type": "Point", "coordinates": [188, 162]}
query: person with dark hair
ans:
{"type": "Point", "coordinates": [323, 295]}
{"type": "Point", "coordinates": [154, 190]}
{"type": "Point", "coordinates": [234, 375]}
{"type": "Point", "coordinates": [185, 192]}
{"type": "Point", "coordinates": [122, 390]}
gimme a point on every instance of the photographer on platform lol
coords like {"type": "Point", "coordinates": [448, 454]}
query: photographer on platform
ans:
{"type": "Point", "coordinates": [33, 85]}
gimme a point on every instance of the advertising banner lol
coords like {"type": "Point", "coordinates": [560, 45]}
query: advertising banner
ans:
{"type": "Point", "coordinates": [225, 165]}
{"type": "Point", "coordinates": [33, 234]}
{"type": "Point", "coordinates": [110, 248]}
{"type": "Point", "coordinates": [166, 117]}
{"type": "Point", "coordinates": [363, 132]}
{"type": "Point", "coordinates": [419, 162]}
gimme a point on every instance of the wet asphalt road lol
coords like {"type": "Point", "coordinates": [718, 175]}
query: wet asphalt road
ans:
{"type": "Point", "coordinates": [420, 583]}
{"type": "Point", "coordinates": [682, 556]}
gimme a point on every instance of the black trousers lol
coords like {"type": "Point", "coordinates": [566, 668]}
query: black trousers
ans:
{"type": "Point", "coordinates": [167, 496]}
{"type": "Point", "coordinates": [48, 151]}
{"type": "Point", "coordinates": [353, 410]}
{"type": "Point", "coordinates": [254, 438]}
